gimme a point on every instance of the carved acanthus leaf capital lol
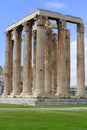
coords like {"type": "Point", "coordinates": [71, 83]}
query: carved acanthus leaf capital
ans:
{"type": "Point", "coordinates": [47, 22]}
{"type": "Point", "coordinates": [8, 35]}
{"type": "Point", "coordinates": [48, 31]}
{"type": "Point", "coordinates": [61, 24]}
{"type": "Point", "coordinates": [80, 27]}
{"type": "Point", "coordinates": [40, 20]}
{"type": "Point", "coordinates": [27, 25]}
{"type": "Point", "coordinates": [67, 33]}
{"type": "Point", "coordinates": [34, 33]}
{"type": "Point", "coordinates": [54, 37]}
{"type": "Point", "coordinates": [17, 30]}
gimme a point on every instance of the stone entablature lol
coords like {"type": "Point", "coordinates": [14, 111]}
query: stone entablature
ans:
{"type": "Point", "coordinates": [50, 72]}
{"type": "Point", "coordinates": [46, 13]}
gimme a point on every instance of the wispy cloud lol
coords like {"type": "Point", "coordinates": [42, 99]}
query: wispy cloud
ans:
{"type": "Point", "coordinates": [56, 5]}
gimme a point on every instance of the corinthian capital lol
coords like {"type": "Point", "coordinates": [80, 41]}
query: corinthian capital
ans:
{"type": "Point", "coordinates": [48, 31]}
{"type": "Point", "coordinates": [54, 37]}
{"type": "Point", "coordinates": [27, 25]}
{"type": "Point", "coordinates": [34, 33]}
{"type": "Point", "coordinates": [80, 27]}
{"type": "Point", "coordinates": [17, 30]}
{"type": "Point", "coordinates": [67, 33]}
{"type": "Point", "coordinates": [8, 35]}
{"type": "Point", "coordinates": [61, 24]}
{"type": "Point", "coordinates": [40, 20]}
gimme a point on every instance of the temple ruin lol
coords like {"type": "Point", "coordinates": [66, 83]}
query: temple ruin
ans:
{"type": "Point", "coordinates": [46, 63]}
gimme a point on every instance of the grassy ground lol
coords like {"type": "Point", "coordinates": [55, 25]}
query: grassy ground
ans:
{"type": "Point", "coordinates": [28, 106]}
{"type": "Point", "coordinates": [42, 120]}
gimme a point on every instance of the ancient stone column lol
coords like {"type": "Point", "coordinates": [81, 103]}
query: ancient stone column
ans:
{"type": "Point", "coordinates": [39, 91]}
{"type": "Point", "coordinates": [27, 90]}
{"type": "Point", "coordinates": [61, 76]}
{"type": "Point", "coordinates": [67, 51]}
{"type": "Point", "coordinates": [17, 61]}
{"type": "Point", "coordinates": [54, 64]}
{"type": "Point", "coordinates": [11, 65]}
{"type": "Point", "coordinates": [48, 61]}
{"type": "Point", "coordinates": [34, 60]}
{"type": "Point", "coordinates": [80, 61]}
{"type": "Point", "coordinates": [8, 65]}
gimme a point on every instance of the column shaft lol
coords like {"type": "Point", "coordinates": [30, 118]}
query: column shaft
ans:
{"type": "Point", "coordinates": [39, 91]}
{"type": "Point", "coordinates": [34, 63]}
{"type": "Point", "coordinates": [11, 65]}
{"type": "Point", "coordinates": [48, 61]}
{"type": "Point", "coordinates": [61, 77]}
{"type": "Point", "coordinates": [8, 65]}
{"type": "Point", "coordinates": [54, 64]}
{"type": "Point", "coordinates": [27, 90]}
{"type": "Point", "coordinates": [80, 61]}
{"type": "Point", "coordinates": [67, 51]}
{"type": "Point", "coordinates": [17, 61]}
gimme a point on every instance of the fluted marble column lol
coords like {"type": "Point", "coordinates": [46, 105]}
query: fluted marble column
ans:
{"type": "Point", "coordinates": [48, 61]}
{"type": "Point", "coordinates": [34, 61]}
{"type": "Point", "coordinates": [39, 91]}
{"type": "Point", "coordinates": [61, 77]}
{"type": "Point", "coordinates": [54, 64]}
{"type": "Point", "coordinates": [8, 65]}
{"type": "Point", "coordinates": [17, 61]}
{"type": "Point", "coordinates": [80, 62]}
{"type": "Point", "coordinates": [27, 90]}
{"type": "Point", "coordinates": [67, 51]}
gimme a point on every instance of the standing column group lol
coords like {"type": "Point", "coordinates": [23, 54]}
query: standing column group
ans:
{"type": "Point", "coordinates": [49, 69]}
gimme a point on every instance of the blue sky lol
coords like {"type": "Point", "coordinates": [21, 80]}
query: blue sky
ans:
{"type": "Point", "coordinates": [12, 10]}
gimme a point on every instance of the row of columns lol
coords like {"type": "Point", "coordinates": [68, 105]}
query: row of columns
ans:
{"type": "Point", "coordinates": [51, 68]}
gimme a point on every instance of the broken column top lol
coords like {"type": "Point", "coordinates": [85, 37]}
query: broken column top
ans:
{"type": "Point", "coordinates": [51, 15]}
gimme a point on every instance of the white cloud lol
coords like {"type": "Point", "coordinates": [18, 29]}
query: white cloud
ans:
{"type": "Point", "coordinates": [56, 5]}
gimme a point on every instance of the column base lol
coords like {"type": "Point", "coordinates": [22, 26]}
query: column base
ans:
{"type": "Point", "coordinates": [4, 95]}
{"type": "Point", "coordinates": [80, 95]}
{"type": "Point", "coordinates": [14, 94]}
{"type": "Point", "coordinates": [62, 95]}
{"type": "Point", "coordinates": [26, 94]}
{"type": "Point", "coordinates": [36, 94]}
